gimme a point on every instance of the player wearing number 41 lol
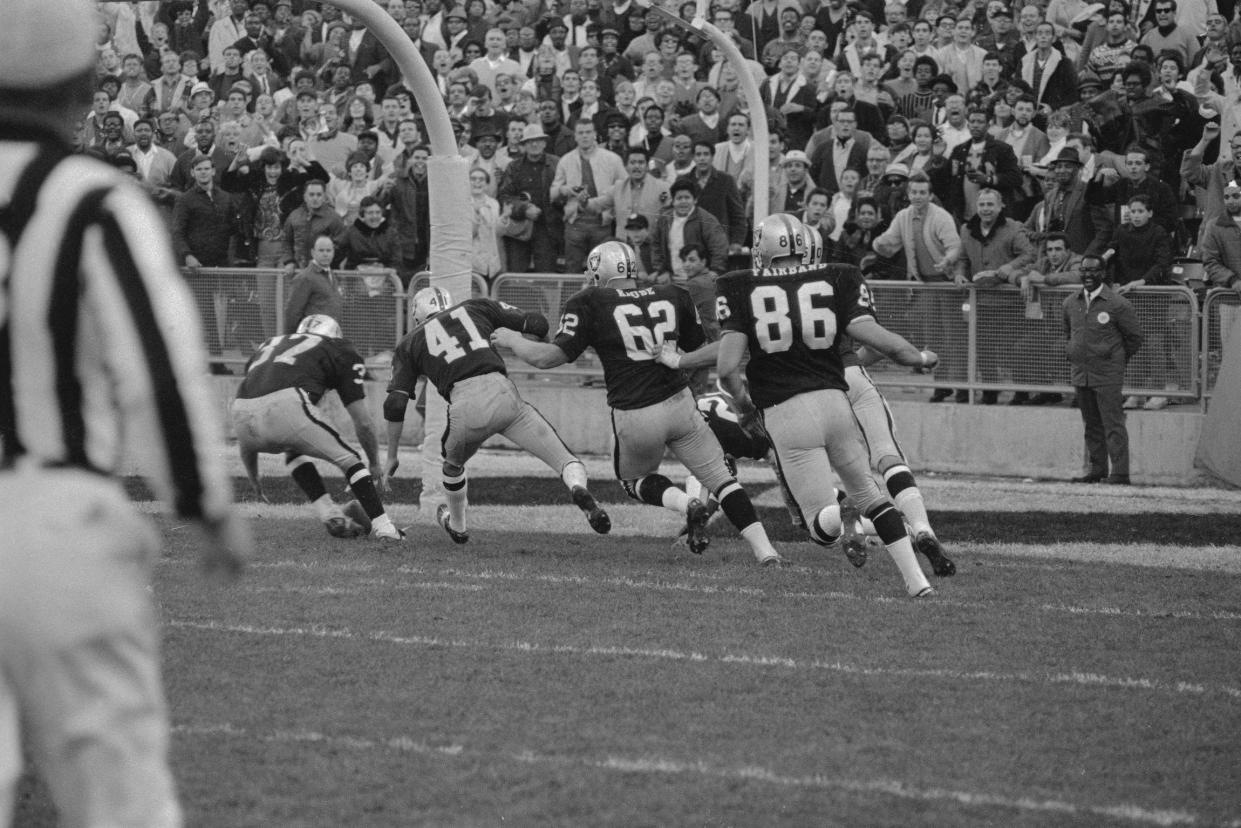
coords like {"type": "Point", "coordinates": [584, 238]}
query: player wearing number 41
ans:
{"type": "Point", "coordinates": [790, 316]}
{"type": "Point", "coordinates": [652, 407]}
{"type": "Point", "coordinates": [276, 410]}
{"type": "Point", "coordinates": [450, 346]}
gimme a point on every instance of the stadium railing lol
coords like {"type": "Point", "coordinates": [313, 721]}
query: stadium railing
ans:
{"type": "Point", "coordinates": [1220, 311]}
{"type": "Point", "coordinates": [242, 307]}
{"type": "Point", "coordinates": [545, 293]}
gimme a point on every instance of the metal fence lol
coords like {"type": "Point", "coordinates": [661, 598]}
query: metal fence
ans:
{"type": "Point", "coordinates": [988, 339]}
{"type": "Point", "coordinates": [242, 307]}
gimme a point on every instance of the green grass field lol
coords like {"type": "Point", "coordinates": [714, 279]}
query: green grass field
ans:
{"type": "Point", "coordinates": [1081, 669]}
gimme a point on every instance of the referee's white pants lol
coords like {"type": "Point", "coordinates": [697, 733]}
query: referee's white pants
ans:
{"type": "Point", "coordinates": [79, 651]}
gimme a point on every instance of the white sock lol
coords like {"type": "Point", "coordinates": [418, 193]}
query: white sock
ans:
{"type": "Point", "coordinates": [827, 523]}
{"type": "Point", "coordinates": [676, 500]}
{"type": "Point", "coordinates": [574, 474]}
{"type": "Point", "coordinates": [911, 505]}
{"type": "Point", "coordinates": [456, 503]}
{"type": "Point", "coordinates": [902, 553]}
{"type": "Point", "coordinates": [756, 536]}
{"type": "Point", "coordinates": [694, 489]}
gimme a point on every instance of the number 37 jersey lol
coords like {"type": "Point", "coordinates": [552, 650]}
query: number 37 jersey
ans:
{"type": "Point", "coordinates": [625, 326]}
{"type": "Point", "coordinates": [794, 319]}
{"type": "Point", "coordinates": [313, 363]}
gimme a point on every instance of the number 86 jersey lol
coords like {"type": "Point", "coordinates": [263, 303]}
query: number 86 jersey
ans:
{"type": "Point", "coordinates": [626, 326]}
{"type": "Point", "coordinates": [794, 319]}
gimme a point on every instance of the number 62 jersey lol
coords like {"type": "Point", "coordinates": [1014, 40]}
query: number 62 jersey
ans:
{"type": "Point", "coordinates": [794, 319]}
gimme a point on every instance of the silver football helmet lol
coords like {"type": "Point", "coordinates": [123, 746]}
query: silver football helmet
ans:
{"type": "Point", "coordinates": [611, 260]}
{"type": "Point", "coordinates": [814, 246]}
{"type": "Point", "coordinates": [428, 302]}
{"type": "Point", "coordinates": [321, 324]}
{"type": "Point", "coordinates": [778, 236]}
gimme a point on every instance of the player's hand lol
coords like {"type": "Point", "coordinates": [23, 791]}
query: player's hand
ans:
{"type": "Point", "coordinates": [747, 416]}
{"type": "Point", "coordinates": [666, 354]}
{"type": "Point", "coordinates": [504, 337]}
{"type": "Point", "coordinates": [929, 361]}
{"type": "Point", "coordinates": [228, 543]}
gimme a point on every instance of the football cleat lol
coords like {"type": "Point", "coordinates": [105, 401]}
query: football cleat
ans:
{"type": "Point", "coordinates": [773, 560]}
{"type": "Point", "coordinates": [442, 518]}
{"type": "Point", "coordinates": [428, 302]}
{"type": "Point", "coordinates": [777, 236]}
{"type": "Point", "coordinates": [389, 533]}
{"type": "Point", "coordinates": [925, 592]}
{"type": "Point", "coordinates": [928, 545]}
{"type": "Point", "coordinates": [321, 324]}
{"type": "Point", "coordinates": [343, 527]}
{"type": "Point", "coordinates": [611, 260]}
{"type": "Point", "coordinates": [854, 547]}
{"type": "Point", "coordinates": [595, 516]}
{"type": "Point", "coordinates": [696, 516]}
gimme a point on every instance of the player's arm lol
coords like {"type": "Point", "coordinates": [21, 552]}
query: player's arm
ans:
{"type": "Point", "coordinates": [538, 354]}
{"type": "Point", "coordinates": [866, 330]}
{"type": "Point", "coordinates": [365, 429]}
{"type": "Point", "coordinates": [707, 355]}
{"type": "Point", "coordinates": [731, 350]}
{"type": "Point", "coordinates": [405, 383]}
{"type": "Point", "coordinates": [250, 461]}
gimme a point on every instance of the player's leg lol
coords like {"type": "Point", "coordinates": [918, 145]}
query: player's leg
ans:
{"type": "Point", "coordinates": [640, 439]}
{"type": "Point", "coordinates": [695, 445]}
{"type": "Point", "coordinates": [81, 648]}
{"type": "Point", "coordinates": [875, 419]}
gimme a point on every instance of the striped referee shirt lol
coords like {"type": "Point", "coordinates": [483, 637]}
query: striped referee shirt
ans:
{"type": "Point", "coordinates": [100, 342]}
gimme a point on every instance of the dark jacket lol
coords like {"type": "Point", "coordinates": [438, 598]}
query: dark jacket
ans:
{"type": "Point", "coordinates": [359, 243]}
{"type": "Point", "coordinates": [204, 226]}
{"type": "Point", "coordinates": [1101, 338]}
{"type": "Point", "coordinates": [312, 291]}
{"type": "Point", "coordinates": [534, 178]}
{"type": "Point", "coordinates": [999, 163]}
{"type": "Point", "coordinates": [301, 229]}
{"type": "Point", "coordinates": [1141, 254]}
{"type": "Point", "coordinates": [721, 198]}
{"type": "Point", "coordinates": [701, 228]}
{"type": "Point", "coordinates": [409, 205]}
{"type": "Point", "coordinates": [823, 163]}
{"type": "Point", "coordinates": [246, 184]}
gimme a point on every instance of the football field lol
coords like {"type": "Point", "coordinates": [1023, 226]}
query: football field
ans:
{"type": "Point", "coordinates": [1082, 668]}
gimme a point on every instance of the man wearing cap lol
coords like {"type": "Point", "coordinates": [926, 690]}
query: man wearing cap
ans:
{"type": "Point", "coordinates": [789, 195]}
{"type": "Point", "coordinates": [891, 196]}
{"type": "Point", "coordinates": [495, 62]}
{"type": "Point", "coordinates": [1064, 209]}
{"type": "Point", "coordinates": [526, 193]}
{"type": "Point", "coordinates": [1001, 37]}
{"type": "Point", "coordinates": [614, 64]}
{"type": "Point", "coordinates": [487, 141]}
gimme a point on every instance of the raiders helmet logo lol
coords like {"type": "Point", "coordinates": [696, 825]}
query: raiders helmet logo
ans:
{"type": "Point", "coordinates": [596, 259]}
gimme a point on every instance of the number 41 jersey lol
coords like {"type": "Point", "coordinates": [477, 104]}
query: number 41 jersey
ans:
{"type": "Point", "coordinates": [794, 319]}
{"type": "Point", "coordinates": [625, 325]}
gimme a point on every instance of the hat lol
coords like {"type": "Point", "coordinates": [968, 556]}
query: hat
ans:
{"type": "Point", "coordinates": [533, 132]}
{"type": "Point", "coordinates": [637, 221]}
{"type": "Point", "coordinates": [945, 80]}
{"type": "Point", "coordinates": [896, 169]}
{"type": "Point", "coordinates": [200, 87]}
{"type": "Point", "coordinates": [608, 30]}
{"type": "Point", "coordinates": [557, 24]}
{"type": "Point", "coordinates": [1068, 155]}
{"type": "Point", "coordinates": [456, 11]}
{"type": "Point", "coordinates": [795, 157]}
{"type": "Point", "coordinates": [44, 42]}
{"type": "Point", "coordinates": [485, 131]}
{"type": "Point", "coordinates": [1088, 78]}
{"type": "Point", "coordinates": [999, 10]}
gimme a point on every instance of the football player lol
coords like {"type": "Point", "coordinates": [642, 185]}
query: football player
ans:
{"type": "Point", "coordinates": [789, 316]}
{"type": "Point", "coordinates": [652, 407]}
{"type": "Point", "coordinates": [450, 345]}
{"type": "Point", "coordinates": [276, 410]}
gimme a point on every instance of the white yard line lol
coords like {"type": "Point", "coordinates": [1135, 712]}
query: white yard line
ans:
{"type": "Point", "coordinates": [668, 766]}
{"type": "Point", "coordinates": [1076, 677]}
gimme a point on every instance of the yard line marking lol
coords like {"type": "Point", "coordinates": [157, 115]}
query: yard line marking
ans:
{"type": "Point", "coordinates": [638, 583]}
{"type": "Point", "coordinates": [360, 587]}
{"type": "Point", "coordinates": [1076, 677]}
{"type": "Point", "coordinates": [659, 765]}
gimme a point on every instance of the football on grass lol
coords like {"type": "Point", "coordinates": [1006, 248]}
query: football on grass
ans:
{"type": "Point", "coordinates": [354, 511]}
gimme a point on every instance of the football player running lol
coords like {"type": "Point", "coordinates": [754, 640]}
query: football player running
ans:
{"type": "Point", "coordinates": [652, 407]}
{"type": "Point", "coordinates": [450, 346]}
{"type": "Point", "coordinates": [276, 410]}
{"type": "Point", "coordinates": [789, 316]}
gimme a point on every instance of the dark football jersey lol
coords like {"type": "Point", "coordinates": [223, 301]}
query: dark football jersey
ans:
{"type": "Point", "coordinates": [794, 319]}
{"type": "Point", "coordinates": [453, 345]}
{"type": "Point", "coordinates": [623, 325]}
{"type": "Point", "coordinates": [314, 363]}
{"type": "Point", "coordinates": [717, 410]}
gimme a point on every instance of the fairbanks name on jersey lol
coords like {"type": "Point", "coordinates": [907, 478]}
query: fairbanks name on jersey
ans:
{"type": "Point", "coordinates": [794, 319]}
{"type": "Point", "coordinates": [455, 344]}
{"type": "Point", "coordinates": [313, 363]}
{"type": "Point", "coordinates": [625, 327]}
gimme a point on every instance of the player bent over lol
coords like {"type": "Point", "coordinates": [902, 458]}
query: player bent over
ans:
{"type": "Point", "coordinates": [789, 316]}
{"type": "Point", "coordinates": [450, 346]}
{"type": "Point", "coordinates": [652, 407]}
{"type": "Point", "coordinates": [276, 410]}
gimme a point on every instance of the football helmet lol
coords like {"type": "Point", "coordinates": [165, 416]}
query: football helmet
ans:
{"type": "Point", "coordinates": [814, 246]}
{"type": "Point", "coordinates": [428, 302]}
{"type": "Point", "coordinates": [321, 324]}
{"type": "Point", "coordinates": [777, 236]}
{"type": "Point", "coordinates": [611, 260]}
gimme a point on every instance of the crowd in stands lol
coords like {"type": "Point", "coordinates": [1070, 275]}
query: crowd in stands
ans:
{"type": "Point", "coordinates": [931, 140]}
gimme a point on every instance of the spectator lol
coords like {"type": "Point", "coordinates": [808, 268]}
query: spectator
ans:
{"type": "Point", "coordinates": [486, 259]}
{"type": "Point", "coordinates": [706, 124]}
{"type": "Point", "coordinates": [962, 59]}
{"type": "Point", "coordinates": [345, 196]}
{"type": "Point", "coordinates": [525, 195]}
{"type": "Point", "coordinates": [204, 219]}
{"type": "Point", "coordinates": [789, 194]}
{"type": "Point", "coordinates": [316, 288]}
{"type": "Point", "coordinates": [204, 144]}
{"type": "Point", "coordinates": [792, 96]}
{"type": "Point", "coordinates": [1214, 177]}
{"type": "Point", "coordinates": [841, 207]}
{"type": "Point", "coordinates": [328, 145]}
{"type": "Point", "coordinates": [1048, 72]}
{"type": "Point", "coordinates": [1111, 188]}
{"type": "Point", "coordinates": [844, 152]}
{"type": "Point", "coordinates": [369, 241]}
{"type": "Point", "coordinates": [718, 195]}
{"type": "Point", "coordinates": [314, 218]}
{"type": "Point", "coordinates": [1103, 334]}
{"type": "Point", "coordinates": [155, 165]}
{"type": "Point", "coordinates": [637, 235]}
{"type": "Point", "coordinates": [408, 200]}
{"type": "Point", "coordinates": [580, 177]}
{"type": "Point", "coordinates": [1167, 35]}
{"type": "Point", "coordinates": [639, 194]}
{"type": "Point", "coordinates": [1064, 209]}
{"type": "Point", "coordinates": [700, 282]}
{"type": "Point", "coordinates": [687, 224]}
{"type": "Point", "coordinates": [1056, 266]}
{"type": "Point", "coordinates": [981, 162]}
{"type": "Point", "coordinates": [1221, 241]}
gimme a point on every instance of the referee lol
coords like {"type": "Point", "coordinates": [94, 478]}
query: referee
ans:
{"type": "Point", "coordinates": [97, 331]}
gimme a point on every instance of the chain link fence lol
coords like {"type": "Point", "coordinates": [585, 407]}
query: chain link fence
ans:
{"type": "Point", "coordinates": [1220, 314]}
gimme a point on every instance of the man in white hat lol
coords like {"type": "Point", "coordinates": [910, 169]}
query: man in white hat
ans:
{"type": "Point", "coordinates": [526, 195]}
{"type": "Point", "coordinates": [93, 300]}
{"type": "Point", "coordinates": [789, 196]}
